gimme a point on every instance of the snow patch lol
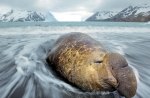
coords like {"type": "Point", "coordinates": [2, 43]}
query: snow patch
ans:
{"type": "Point", "coordinates": [18, 15]}
{"type": "Point", "coordinates": [105, 15]}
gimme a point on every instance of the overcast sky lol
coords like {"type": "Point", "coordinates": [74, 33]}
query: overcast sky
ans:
{"type": "Point", "coordinates": [74, 7]}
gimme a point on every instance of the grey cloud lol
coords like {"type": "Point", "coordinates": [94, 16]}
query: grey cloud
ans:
{"type": "Point", "coordinates": [74, 5]}
{"type": "Point", "coordinates": [19, 3]}
{"type": "Point", "coordinates": [55, 5]}
{"type": "Point", "coordinates": [120, 4]}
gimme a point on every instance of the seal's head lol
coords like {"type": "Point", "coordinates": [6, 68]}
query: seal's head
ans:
{"type": "Point", "coordinates": [84, 62]}
{"type": "Point", "coordinates": [127, 83]}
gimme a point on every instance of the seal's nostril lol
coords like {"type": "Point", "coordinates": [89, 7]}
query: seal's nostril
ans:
{"type": "Point", "coordinates": [98, 61]}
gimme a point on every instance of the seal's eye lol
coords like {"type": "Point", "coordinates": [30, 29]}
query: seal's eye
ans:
{"type": "Point", "coordinates": [98, 61]}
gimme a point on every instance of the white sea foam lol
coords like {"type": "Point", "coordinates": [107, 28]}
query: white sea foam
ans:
{"type": "Point", "coordinates": [67, 29]}
{"type": "Point", "coordinates": [24, 60]}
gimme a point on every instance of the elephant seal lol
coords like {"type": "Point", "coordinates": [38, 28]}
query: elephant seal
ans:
{"type": "Point", "coordinates": [84, 62]}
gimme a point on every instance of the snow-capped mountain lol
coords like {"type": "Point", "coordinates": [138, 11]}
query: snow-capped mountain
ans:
{"type": "Point", "coordinates": [133, 14]}
{"type": "Point", "coordinates": [18, 15]}
{"type": "Point", "coordinates": [101, 15]}
{"type": "Point", "coordinates": [130, 14]}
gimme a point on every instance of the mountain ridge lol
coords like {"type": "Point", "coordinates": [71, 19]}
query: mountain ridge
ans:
{"type": "Point", "coordinates": [101, 15]}
{"type": "Point", "coordinates": [129, 14]}
{"type": "Point", "coordinates": [19, 15]}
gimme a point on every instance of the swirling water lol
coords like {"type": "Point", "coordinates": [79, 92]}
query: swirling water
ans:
{"type": "Point", "coordinates": [24, 72]}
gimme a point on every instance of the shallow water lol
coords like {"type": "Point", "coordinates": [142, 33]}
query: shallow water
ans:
{"type": "Point", "coordinates": [24, 72]}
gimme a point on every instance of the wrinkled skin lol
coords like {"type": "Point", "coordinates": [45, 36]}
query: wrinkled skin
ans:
{"type": "Point", "coordinates": [85, 63]}
{"type": "Point", "coordinates": [123, 73]}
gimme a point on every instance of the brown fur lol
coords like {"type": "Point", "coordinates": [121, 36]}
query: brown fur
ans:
{"type": "Point", "coordinates": [83, 61]}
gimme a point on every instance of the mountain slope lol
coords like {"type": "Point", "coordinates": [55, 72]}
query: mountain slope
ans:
{"type": "Point", "coordinates": [18, 15]}
{"type": "Point", "coordinates": [102, 15]}
{"type": "Point", "coordinates": [133, 14]}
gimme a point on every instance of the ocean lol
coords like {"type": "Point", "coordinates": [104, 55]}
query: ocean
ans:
{"type": "Point", "coordinates": [24, 72]}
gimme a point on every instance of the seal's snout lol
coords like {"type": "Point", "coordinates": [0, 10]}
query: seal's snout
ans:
{"type": "Point", "coordinates": [127, 83]}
